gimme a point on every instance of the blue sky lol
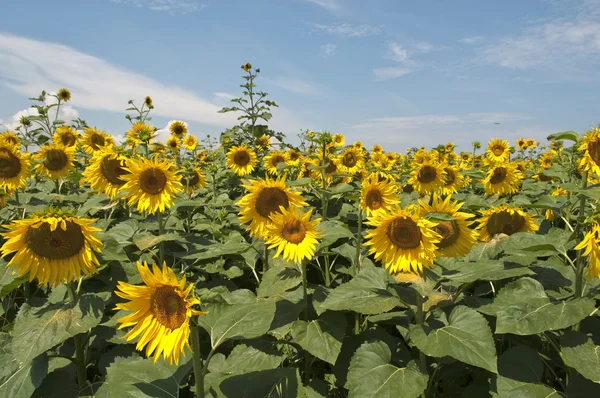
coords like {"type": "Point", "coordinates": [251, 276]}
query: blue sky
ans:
{"type": "Point", "coordinates": [399, 73]}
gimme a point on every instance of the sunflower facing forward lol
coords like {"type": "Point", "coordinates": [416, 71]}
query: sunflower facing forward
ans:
{"type": "Point", "coordinates": [53, 248]}
{"type": "Point", "coordinates": [591, 146]}
{"type": "Point", "coordinates": [265, 198]}
{"type": "Point", "coordinates": [55, 161]}
{"type": "Point", "coordinates": [402, 241]}
{"type": "Point", "coordinates": [65, 135]}
{"type": "Point", "coordinates": [351, 160]}
{"type": "Point", "coordinates": [504, 220]}
{"type": "Point", "coordinates": [427, 177]}
{"type": "Point", "coordinates": [241, 160]}
{"type": "Point", "coordinates": [497, 151]}
{"type": "Point", "coordinates": [457, 238]}
{"type": "Point", "coordinates": [10, 138]}
{"type": "Point", "coordinates": [192, 180]}
{"type": "Point", "coordinates": [178, 129]}
{"type": "Point", "coordinates": [378, 195]}
{"type": "Point", "coordinates": [502, 179]}
{"type": "Point", "coordinates": [94, 140]}
{"type": "Point", "coordinates": [151, 184]}
{"type": "Point", "coordinates": [105, 172]}
{"type": "Point", "coordinates": [273, 159]}
{"type": "Point", "coordinates": [14, 168]}
{"type": "Point", "coordinates": [160, 312]}
{"type": "Point", "coordinates": [293, 234]}
{"type": "Point", "coordinates": [591, 249]}
{"type": "Point", "coordinates": [453, 180]}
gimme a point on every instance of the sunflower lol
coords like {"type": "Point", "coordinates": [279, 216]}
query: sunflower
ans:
{"type": "Point", "coordinates": [242, 160]}
{"type": "Point", "coordinates": [265, 198]}
{"type": "Point", "coordinates": [497, 151]}
{"type": "Point", "coordinates": [457, 238]}
{"type": "Point", "coordinates": [504, 219]}
{"type": "Point", "coordinates": [160, 312]}
{"type": "Point", "coordinates": [294, 157]}
{"type": "Point", "coordinates": [105, 172]}
{"type": "Point", "coordinates": [151, 184]}
{"type": "Point", "coordinates": [402, 241]}
{"type": "Point", "coordinates": [453, 180]}
{"type": "Point", "coordinates": [190, 142]}
{"type": "Point", "coordinates": [531, 143]}
{"type": "Point", "coordinates": [53, 248]}
{"type": "Point", "coordinates": [591, 145]}
{"type": "Point", "coordinates": [158, 147]}
{"type": "Point", "coordinates": [65, 135]}
{"type": "Point", "coordinates": [358, 145]}
{"type": "Point", "coordinates": [304, 171]}
{"type": "Point", "coordinates": [193, 179]}
{"type": "Point", "coordinates": [339, 139]}
{"type": "Point", "coordinates": [273, 159]}
{"type": "Point", "coordinates": [377, 148]}
{"type": "Point", "coordinates": [94, 140]}
{"type": "Point", "coordinates": [521, 144]}
{"type": "Point", "coordinates": [378, 195]}
{"type": "Point", "coordinates": [427, 177]}
{"type": "Point", "coordinates": [422, 156]}
{"type": "Point", "coordinates": [14, 168]}
{"type": "Point", "coordinates": [139, 132]}
{"type": "Point", "coordinates": [64, 95]}
{"type": "Point", "coordinates": [10, 138]}
{"type": "Point", "coordinates": [351, 160]}
{"type": "Point", "coordinates": [293, 234]}
{"type": "Point", "coordinates": [591, 248]}
{"type": "Point", "coordinates": [247, 66]}
{"type": "Point", "coordinates": [55, 161]}
{"type": "Point", "coordinates": [264, 141]}
{"type": "Point", "coordinates": [331, 168]}
{"type": "Point", "coordinates": [449, 147]}
{"type": "Point", "coordinates": [148, 101]}
{"type": "Point", "coordinates": [173, 143]}
{"type": "Point", "coordinates": [502, 179]}
{"type": "Point", "coordinates": [550, 213]}
{"type": "Point", "coordinates": [178, 129]}
{"type": "Point", "coordinates": [466, 157]}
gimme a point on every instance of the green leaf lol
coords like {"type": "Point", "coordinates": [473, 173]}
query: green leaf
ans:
{"type": "Point", "coordinates": [148, 241]}
{"type": "Point", "coordinates": [433, 216]}
{"type": "Point", "coordinates": [299, 182]}
{"type": "Point", "coordinates": [531, 391]}
{"type": "Point", "coordinates": [137, 377]}
{"type": "Point", "coordinates": [467, 338]}
{"type": "Point", "coordinates": [580, 353]}
{"type": "Point", "coordinates": [239, 321]}
{"type": "Point", "coordinates": [366, 294]}
{"type": "Point", "coordinates": [37, 329]}
{"type": "Point", "coordinates": [565, 135]}
{"type": "Point", "coordinates": [321, 337]}
{"type": "Point", "coordinates": [483, 270]}
{"type": "Point", "coordinates": [522, 307]}
{"type": "Point", "coordinates": [371, 375]}
{"type": "Point", "coordinates": [245, 359]}
{"type": "Point", "coordinates": [278, 280]}
{"type": "Point", "coordinates": [20, 381]}
{"type": "Point", "coordinates": [8, 280]}
{"type": "Point", "coordinates": [283, 382]}
{"type": "Point", "coordinates": [518, 366]}
{"type": "Point", "coordinates": [334, 230]}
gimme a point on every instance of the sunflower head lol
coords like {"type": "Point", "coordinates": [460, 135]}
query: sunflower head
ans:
{"type": "Point", "coordinates": [178, 129]}
{"type": "Point", "coordinates": [294, 157]}
{"type": "Point", "coordinates": [498, 150]}
{"type": "Point", "coordinates": [247, 67]}
{"type": "Point", "coordinates": [503, 179]}
{"type": "Point", "coordinates": [105, 172]}
{"type": "Point", "coordinates": [521, 143]}
{"type": "Point", "coordinates": [293, 234]}
{"type": "Point", "coordinates": [504, 220]}
{"type": "Point", "coordinates": [173, 143]}
{"type": "Point", "coordinates": [94, 140]}
{"type": "Point", "coordinates": [190, 142]}
{"type": "Point", "coordinates": [55, 160]}
{"type": "Point", "coordinates": [351, 160]}
{"type": "Point", "coordinates": [377, 148]}
{"type": "Point", "coordinates": [14, 168]}
{"type": "Point", "coordinates": [10, 138]}
{"type": "Point", "coordinates": [273, 159]}
{"type": "Point", "coordinates": [242, 160]}
{"type": "Point", "coordinates": [148, 101]}
{"type": "Point", "coordinates": [65, 135]}
{"type": "Point", "coordinates": [338, 139]}
{"type": "Point", "coordinates": [378, 195]}
{"type": "Point", "coordinates": [64, 95]}
{"type": "Point", "coordinates": [264, 141]}
{"type": "Point", "coordinates": [591, 151]}
{"type": "Point", "coordinates": [449, 147]}
{"type": "Point", "coordinates": [193, 179]}
{"type": "Point", "coordinates": [427, 177]}
{"type": "Point", "coordinates": [453, 180]}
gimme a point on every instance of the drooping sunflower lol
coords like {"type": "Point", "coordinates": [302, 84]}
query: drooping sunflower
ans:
{"type": "Point", "coordinates": [193, 179]}
{"type": "Point", "coordinates": [504, 219]}
{"type": "Point", "coordinates": [427, 177]}
{"type": "Point", "coordinates": [54, 160]}
{"type": "Point", "coordinates": [521, 144]}
{"type": "Point", "coordinates": [378, 195]}
{"type": "Point", "coordinates": [453, 180]}
{"type": "Point", "coordinates": [497, 151]}
{"type": "Point", "coordinates": [457, 239]}
{"type": "Point", "coordinates": [53, 248]}
{"type": "Point", "coordinates": [178, 129]}
{"type": "Point", "coordinates": [93, 140]}
{"type": "Point", "coordinates": [502, 179]}
{"type": "Point", "coordinates": [265, 197]}
{"type": "Point", "coordinates": [338, 139]}
{"type": "Point", "coordinates": [242, 160]}
{"type": "Point", "coordinates": [65, 135]}
{"type": "Point", "coordinates": [294, 157]}
{"type": "Point", "coordinates": [351, 160]}
{"type": "Point", "coordinates": [64, 95]}
{"type": "Point", "coordinates": [273, 159]}
{"type": "Point", "coordinates": [293, 234]}
{"type": "Point", "coordinates": [10, 138]}
{"type": "Point", "coordinates": [591, 146]}
{"type": "Point", "coordinates": [402, 241]}
{"type": "Point", "coordinates": [105, 172]}
{"type": "Point", "coordinates": [160, 312]}
{"type": "Point", "coordinates": [14, 168]}
{"type": "Point", "coordinates": [591, 249]}
{"type": "Point", "coordinates": [151, 184]}
{"type": "Point", "coordinates": [190, 142]}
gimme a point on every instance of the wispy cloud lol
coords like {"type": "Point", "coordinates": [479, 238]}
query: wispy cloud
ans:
{"type": "Point", "coordinates": [411, 122]}
{"type": "Point", "coordinates": [471, 39]}
{"type": "Point", "coordinates": [327, 50]}
{"type": "Point", "coordinates": [388, 73]}
{"type": "Point", "coordinates": [294, 85]}
{"type": "Point", "coordinates": [66, 113]}
{"type": "Point", "coordinates": [170, 6]}
{"type": "Point", "coordinates": [329, 5]}
{"type": "Point", "coordinates": [348, 30]}
{"type": "Point", "coordinates": [29, 66]}
{"type": "Point", "coordinates": [402, 56]}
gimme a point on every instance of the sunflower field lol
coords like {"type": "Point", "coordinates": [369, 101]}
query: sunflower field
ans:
{"type": "Point", "coordinates": [254, 266]}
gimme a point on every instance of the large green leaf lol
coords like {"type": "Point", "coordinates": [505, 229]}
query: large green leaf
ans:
{"type": "Point", "coordinates": [277, 280]}
{"type": "Point", "coordinates": [484, 270]}
{"type": "Point", "coordinates": [366, 294]}
{"type": "Point", "coordinates": [21, 380]}
{"type": "Point", "coordinates": [467, 338]}
{"type": "Point", "coordinates": [321, 337]}
{"type": "Point", "coordinates": [37, 329]}
{"type": "Point", "coordinates": [564, 135]}
{"type": "Point", "coordinates": [248, 358]}
{"type": "Point", "coordinates": [580, 353]}
{"type": "Point", "coordinates": [144, 242]}
{"type": "Point", "coordinates": [334, 230]}
{"type": "Point", "coordinates": [8, 280]}
{"type": "Point", "coordinates": [523, 307]}
{"type": "Point", "coordinates": [238, 321]}
{"type": "Point", "coordinates": [273, 383]}
{"type": "Point", "coordinates": [137, 377]}
{"type": "Point", "coordinates": [371, 375]}
{"type": "Point", "coordinates": [531, 391]}
{"type": "Point", "coordinates": [518, 366]}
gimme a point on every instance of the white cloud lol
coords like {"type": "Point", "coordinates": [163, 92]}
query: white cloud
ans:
{"type": "Point", "coordinates": [170, 6]}
{"type": "Point", "coordinates": [29, 66]}
{"type": "Point", "coordinates": [294, 85]}
{"type": "Point", "coordinates": [327, 50]}
{"type": "Point", "coordinates": [348, 30]}
{"type": "Point", "coordinates": [227, 96]}
{"type": "Point", "coordinates": [66, 113]}
{"type": "Point", "coordinates": [471, 39]}
{"type": "Point", "coordinates": [329, 5]}
{"type": "Point", "coordinates": [392, 72]}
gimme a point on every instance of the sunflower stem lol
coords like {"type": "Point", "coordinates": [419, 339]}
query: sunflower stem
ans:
{"type": "Point", "coordinates": [357, 263]}
{"type": "Point", "coordinates": [57, 185]}
{"type": "Point", "coordinates": [161, 245]}
{"type": "Point", "coordinates": [80, 346]}
{"type": "Point", "coordinates": [265, 259]}
{"type": "Point", "coordinates": [304, 289]}
{"type": "Point", "coordinates": [420, 319]}
{"type": "Point", "coordinates": [197, 361]}
{"type": "Point", "coordinates": [580, 220]}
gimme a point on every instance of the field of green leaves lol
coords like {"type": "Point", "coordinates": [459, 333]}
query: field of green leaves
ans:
{"type": "Point", "coordinates": [259, 265]}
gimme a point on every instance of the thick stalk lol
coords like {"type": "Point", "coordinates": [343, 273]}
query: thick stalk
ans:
{"type": "Point", "coordinates": [357, 263]}
{"type": "Point", "coordinates": [80, 348]}
{"type": "Point", "coordinates": [305, 290]}
{"type": "Point", "coordinates": [420, 319]}
{"type": "Point", "coordinates": [266, 259]}
{"type": "Point", "coordinates": [197, 358]}
{"type": "Point", "coordinates": [580, 219]}
{"type": "Point", "coordinates": [324, 204]}
{"type": "Point", "coordinates": [161, 245]}
{"type": "Point", "coordinates": [57, 185]}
